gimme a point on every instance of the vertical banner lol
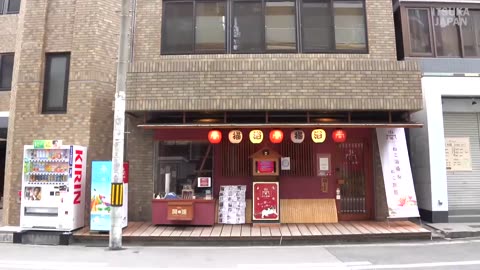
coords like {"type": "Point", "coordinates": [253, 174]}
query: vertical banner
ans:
{"type": "Point", "coordinates": [266, 205]}
{"type": "Point", "coordinates": [126, 175]}
{"type": "Point", "coordinates": [397, 174]}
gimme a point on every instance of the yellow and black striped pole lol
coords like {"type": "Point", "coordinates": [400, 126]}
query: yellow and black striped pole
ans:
{"type": "Point", "coordinates": [117, 194]}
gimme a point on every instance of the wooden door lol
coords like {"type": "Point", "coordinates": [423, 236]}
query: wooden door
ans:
{"type": "Point", "coordinates": [353, 171]}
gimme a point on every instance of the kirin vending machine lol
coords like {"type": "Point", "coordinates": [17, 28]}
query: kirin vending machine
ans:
{"type": "Point", "coordinates": [53, 186]}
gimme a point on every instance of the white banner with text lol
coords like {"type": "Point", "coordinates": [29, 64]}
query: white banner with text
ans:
{"type": "Point", "coordinates": [397, 174]}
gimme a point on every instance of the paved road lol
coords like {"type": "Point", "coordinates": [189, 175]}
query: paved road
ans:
{"type": "Point", "coordinates": [422, 255]}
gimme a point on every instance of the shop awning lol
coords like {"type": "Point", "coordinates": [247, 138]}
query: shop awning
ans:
{"type": "Point", "coordinates": [283, 125]}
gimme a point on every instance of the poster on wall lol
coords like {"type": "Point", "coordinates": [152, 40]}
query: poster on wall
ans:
{"type": "Point", "coordinates": [266, 205]}
{"type": "Point", "coordinates": [231, 204]}
{"type": "Point", "coordinates": [457, 154]}
{"type": "Point", "coordinates": [397, 174]}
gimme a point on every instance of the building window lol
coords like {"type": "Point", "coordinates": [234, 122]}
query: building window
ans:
{"type": "Point", "coordinates": [317, 28]}
{"type": "Point", "coordinates": [9, 6]}
{"type": "Point", "coordinates": [179, 164]}
{"type": "Point", "coordinates": [280, 33]}
{"type": "Point", "coordinates": [420, 42]}
{"type": "Point", "coordinates": [55, 91]}
{"type": "Point", "coordinates": [447, 38]}
{"type": "Point", "coordinates": [247, 26]}
{"type": "Point", "coordinates": [471, 35]}
{"type": "Point", "coordinates": [350, 30]}
{"type": "Point", "coordinates": [264, 26]}
{"type": "Point", "coordinates": [456, 32]}
{"type": "Point", "coordinates": [6, 71]}
{"type": "Point", "coordinates": [210, 27]}
{"type": "Point", "coordinates": [193, 27]}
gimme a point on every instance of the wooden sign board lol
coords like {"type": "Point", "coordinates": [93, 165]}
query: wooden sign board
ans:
{"type": "Point", "coordinates": [266, 202]}
{"type": "Point", "coordinates": [180, 211]}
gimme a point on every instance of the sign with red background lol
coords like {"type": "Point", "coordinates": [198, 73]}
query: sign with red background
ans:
{"type": "Point", "coordinates": [125, 172]}
{"type": "Point", "coordinates": [266, 205]}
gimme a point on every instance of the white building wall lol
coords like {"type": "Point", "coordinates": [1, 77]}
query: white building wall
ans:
{"type": "Point", "coordinates": [428, 159]}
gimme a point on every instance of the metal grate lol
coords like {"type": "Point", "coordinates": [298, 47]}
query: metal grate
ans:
{"type": "Point", "coordinates": [236, 158]}
{"type": "Point", "coordinates": [302, 162]}
{"type": "Point", "coordinates": [351, 170]}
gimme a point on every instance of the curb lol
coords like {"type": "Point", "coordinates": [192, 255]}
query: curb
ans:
{"type": "Point", "coordinates": [439, 233]}
{"type": "Point", "coordinates": [461, 234]}
{"type": "Point", "coordinates": [254, 241]}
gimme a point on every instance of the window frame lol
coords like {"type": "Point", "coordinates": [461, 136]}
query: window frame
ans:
{"type": "Point", "coordinates": [460, 39]}
{"type": "Point", "coordinates": [232, 12]}
{"type": "Point", "coordinates": [264, 49]}
{"type": "Point", "coordinates": [332, 32]}
{"type": "Point", "coordinates": [298, 20]}
{"type": "Point", "coordinates": [225, 46]}
{"type": "Point", "coordinates": [296, 25]}
{"type": "Point", "coordinates": [63, 109]}
{"type": "Point", "coordinates": [477, 8]}
{"type": "Point", "coordinates": [194, 26]}
{"type": "Point", "coordinates": [408, 44]}
{"type": "Point", "coordinates": [4, 8]}
{"type": "Point", "coordinates": [433, 42]}
{"type": "Point", "coordinates": [13, 67]}
{"type": "Point", "coordinates": [365, 22]}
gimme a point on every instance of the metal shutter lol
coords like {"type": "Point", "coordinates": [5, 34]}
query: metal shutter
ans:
{"type": "Point", "coordinates": [464, 186]}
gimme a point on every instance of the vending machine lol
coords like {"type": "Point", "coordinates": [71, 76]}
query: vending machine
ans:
{"type": "Point", "coordinates": [53, 186]}
{"type": "Point", "coordinates": [100, 204]}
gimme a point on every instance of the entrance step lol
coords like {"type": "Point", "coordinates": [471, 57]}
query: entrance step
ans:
{"type": "Point", "coordinates": [464, 218]}
{"type": "Point", "coordinates": [34, 237]}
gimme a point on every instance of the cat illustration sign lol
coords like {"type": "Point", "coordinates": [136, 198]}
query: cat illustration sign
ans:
{"type": "Point", "coordinates": [266, 204]}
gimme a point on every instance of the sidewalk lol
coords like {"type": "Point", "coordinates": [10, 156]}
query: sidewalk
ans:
{"type": "Point", "coordinates": [246, 234]}
{"type": "Point", "coordinates": [455, 230]}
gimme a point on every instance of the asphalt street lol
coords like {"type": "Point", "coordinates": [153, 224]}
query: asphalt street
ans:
{"type": "Point", "coordinates": [412, 255]}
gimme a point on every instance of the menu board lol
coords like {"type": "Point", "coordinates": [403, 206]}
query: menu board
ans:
{"type": "Point", "coordinates": [231, 204]}
{"type": "Point", "coordinates": [457, 154]}
{"type": "Point", "coordinates": [266, 205]}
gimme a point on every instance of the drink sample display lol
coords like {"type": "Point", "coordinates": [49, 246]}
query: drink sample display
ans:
{"type": "Point", "coordinates": [47, 165]}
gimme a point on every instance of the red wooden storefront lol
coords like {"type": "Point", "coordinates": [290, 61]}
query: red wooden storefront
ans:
{"type": "Point", "coordinates": [307, 194]}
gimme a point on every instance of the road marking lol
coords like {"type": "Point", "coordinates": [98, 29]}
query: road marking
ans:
{"type": "Point", "coordinates": [414, 265]}
{"type": "Point", "coordinates": [50, 265]}
{"type": "Point", "coordinates": [303, 265]}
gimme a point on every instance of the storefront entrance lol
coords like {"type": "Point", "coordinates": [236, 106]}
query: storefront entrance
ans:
{"type": "Point", "coordinates": [307, 184]}
{"type": "Point", "coordinates": [354, 180]}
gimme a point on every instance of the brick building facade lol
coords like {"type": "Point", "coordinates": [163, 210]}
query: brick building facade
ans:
{"type": "Point", "coordinates": [159, 84]}
{"type": "Point", "coordinates": [88, 30]}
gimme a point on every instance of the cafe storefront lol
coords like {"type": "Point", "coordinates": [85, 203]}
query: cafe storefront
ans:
{"type": "Point", "coordinates": [289, 172]}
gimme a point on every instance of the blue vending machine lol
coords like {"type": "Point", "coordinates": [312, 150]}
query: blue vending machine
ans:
{"type": "Point", "coordinates": [100, 207]}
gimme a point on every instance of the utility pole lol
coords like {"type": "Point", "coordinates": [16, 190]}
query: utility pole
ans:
{"type": "Point", "coordinates": [115, 242]}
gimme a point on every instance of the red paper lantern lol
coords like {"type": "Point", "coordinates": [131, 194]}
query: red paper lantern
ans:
{"type": "Point", "coordinates": [339, 136]}
{"type": "Point", "coordinates": [214, 136]}
{"type": "Point", "coordinates": [276, 136]}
